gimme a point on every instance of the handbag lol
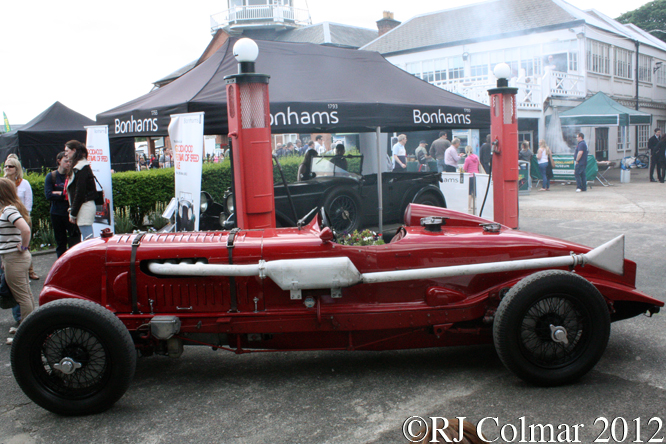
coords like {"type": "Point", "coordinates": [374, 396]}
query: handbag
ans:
{"type": "Point", "coordinates": [99, 194]}
{"type": "Point", "coordinates": [549, 171]}
{"type": "Point", "coordinates": [6, 297]}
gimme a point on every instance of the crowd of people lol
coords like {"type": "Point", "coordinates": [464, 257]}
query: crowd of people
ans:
{"type": "Point", "coordinates": [71, 189]}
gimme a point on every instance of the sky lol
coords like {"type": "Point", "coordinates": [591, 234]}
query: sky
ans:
{"type": "Point", "coordinates": [95, 55]}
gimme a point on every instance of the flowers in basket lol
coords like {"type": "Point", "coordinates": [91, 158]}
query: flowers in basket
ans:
{"type": "Point", "coordinates": [365, 237]}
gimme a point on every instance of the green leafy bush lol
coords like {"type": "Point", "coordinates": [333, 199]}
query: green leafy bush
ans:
{"type": "Point", "coordinates": [138, 192]}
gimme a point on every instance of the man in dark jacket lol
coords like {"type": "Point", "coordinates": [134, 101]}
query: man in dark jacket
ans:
{"type": "Point", "coordinates": [485, 156]}
{"type": "Point", "coordinates": [66, 233]}
{"type": "Point", "coordinates": [652, 147]}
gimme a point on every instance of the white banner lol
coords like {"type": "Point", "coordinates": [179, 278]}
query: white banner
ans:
{"type": "Point", "coordinates": [460, 197]}
{"type": "Point", "coordinates": [187, 140]}
{"type": "Point", "coordinates": [99, 157]}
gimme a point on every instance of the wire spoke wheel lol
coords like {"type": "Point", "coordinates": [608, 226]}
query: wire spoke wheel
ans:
{"type": "Point", "coordinates": [551, 328]}
{"type": "Point", "coordinates": [80, 346]}
{"type": "Point", "coordinates": [342, 207]}
{"type": "Point", "coordinates": [73, 357]}
{"type": "Point", "coordinates": [537, 343]}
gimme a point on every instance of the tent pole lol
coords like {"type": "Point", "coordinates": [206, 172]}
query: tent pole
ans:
{"type": "Point", "coordinates": [379, 181]}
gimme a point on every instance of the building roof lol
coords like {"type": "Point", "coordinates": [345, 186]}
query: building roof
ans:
{"type": "Point", "coordinates": [492, 20]}
{"type": "Point", "coordinates": [331, 34]}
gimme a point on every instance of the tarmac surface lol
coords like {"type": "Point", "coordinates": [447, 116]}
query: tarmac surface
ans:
{"type": "Point", "coordinates": [365, 397]}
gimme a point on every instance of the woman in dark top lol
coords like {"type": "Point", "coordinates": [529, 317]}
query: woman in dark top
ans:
{"type": "Point", "coordinates": [81, 190]}
{"type": "Point", "coordinates": [305, 168]}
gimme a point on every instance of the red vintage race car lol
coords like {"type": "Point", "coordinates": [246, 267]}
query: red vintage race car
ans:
{"type": "Point", "coordinates": [446, 278]}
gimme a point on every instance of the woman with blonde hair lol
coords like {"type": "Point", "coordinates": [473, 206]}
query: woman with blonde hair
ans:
{"type": "Point", "coordinates": [14, 171]}
{"type": "Point", "coordinates": [545, 158]}
{"type": "Point", "coordinates": [14, 247]}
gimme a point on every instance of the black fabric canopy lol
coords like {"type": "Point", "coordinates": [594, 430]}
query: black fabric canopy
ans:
{"type": "Point", "coordinates": [38, 142]}
{"type": "Point", "coordinates": [313, 88]}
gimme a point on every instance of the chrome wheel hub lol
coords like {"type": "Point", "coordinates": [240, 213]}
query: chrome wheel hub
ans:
{"type": "Point", "coordinates": [558, 334]}
{"type": "Point", "coordinates": [67, 366]}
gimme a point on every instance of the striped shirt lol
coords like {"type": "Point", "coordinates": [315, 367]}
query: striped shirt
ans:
{"type": "Point", "coordinates": [10, 236]}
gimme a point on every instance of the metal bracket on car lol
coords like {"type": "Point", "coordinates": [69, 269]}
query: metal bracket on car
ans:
{"type": "Point", "coordinates": [492, 227]}
{"type": "Point", "coordinates": [296, 294]}
{"type": "Point", "coordinates": [232, 280]}
{"type": "Point", "coordinates": [135, 246]}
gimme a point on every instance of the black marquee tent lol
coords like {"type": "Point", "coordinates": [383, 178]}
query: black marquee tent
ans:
{"type": "Point", "coordinates": [38, 142]}
{"type": "Point", "coordinates": [313, 88]}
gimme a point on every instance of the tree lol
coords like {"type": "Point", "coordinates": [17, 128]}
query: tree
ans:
{"type": "Point", "coordinates": [649, 17]}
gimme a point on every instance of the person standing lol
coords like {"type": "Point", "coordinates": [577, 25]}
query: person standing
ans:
{"type": "Point", "coordinates": [544, 158]}
{"type": "Point", "coordinates": [451, 156]}
{"type": "Point", "coordinates": [525, 153]}
{"type": "Point", "coordinates": [81, 190]}
{"type": "Point", "coordinates": [166, 159]}
{"type": "Point", "coordinates": [472, 163]}
{"type": "Point", "coordinates": [422, 156]}
{"type": "Point", "coordinates": [580, 156]}
{"type": "Point", "coordinates": [485, 155]}
{"type": "Point", "coordinates": [14, 247]}
{"type": "Point", "coordinates": [64, 231]}
{"type": "Point", "coordinates": [652, 147]}
{"type": "Point", "coordinates": [319, 145]}
{"type": "Point", "coordinates": [399, 154]}
{"type": "Point", "coordinates": [660, 158]}
{"type": "Point", "coordinates": [14, 171]}
{"type": "Point", "coordinates": [438, 148]}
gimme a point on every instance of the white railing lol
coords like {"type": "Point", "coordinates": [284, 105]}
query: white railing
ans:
{"type": "Point", "coordinates": [245, 14]}
{"type": "Point", "coordinates": [562, 84]}
{"type": "Point", "coordinates": [529, 93]}
{"type": "Point", "coordinates": [532, 91]}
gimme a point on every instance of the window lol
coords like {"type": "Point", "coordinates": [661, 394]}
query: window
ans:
{"type": "Point", "coordinates": [623, 63]}
{"type": "Point", "coordinates": [530, 60]}
{"type": "Point", "coordinates": [428, 71]}
{"type": "Point", "coordinates": [660, 66]}
{"type": "Point", "coordinates": [621, 135]}
{"type": "Point", "coordinates": [573, 61]}
{"type": "Point", "coordinates": [414, 68]}
{"type": "Point", "coordinates": [456, 68]}
{"type": "Point", "coordinates": [643, 136]}
{"type": "Point", "coordinates": [479, 64]}
{"type": "Point", "coordinates": [598, 57]}
{"type": "Point", "coordinates": [440, 70]}
{"type": "Point", "coordinates": [644, 68]}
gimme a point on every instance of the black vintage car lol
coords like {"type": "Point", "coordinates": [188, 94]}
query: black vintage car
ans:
{"type": "Point", "coordinates": [350, 198]}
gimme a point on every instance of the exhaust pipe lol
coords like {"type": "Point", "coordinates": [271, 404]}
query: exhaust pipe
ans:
{"type": "Point", "coordinates": [340, 272]}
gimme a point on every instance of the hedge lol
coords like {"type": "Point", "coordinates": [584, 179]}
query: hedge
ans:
{"type": "Point", "coordinates": [141, 190]}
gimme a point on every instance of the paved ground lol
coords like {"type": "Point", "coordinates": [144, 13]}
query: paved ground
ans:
{"type": "Point", "coordinates": [364, 397]}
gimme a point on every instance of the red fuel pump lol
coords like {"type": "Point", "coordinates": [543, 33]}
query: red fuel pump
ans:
{"type": "Point", "coordinates": [249, 119]}
{"type": "Point", "coordinates": [504, 134]}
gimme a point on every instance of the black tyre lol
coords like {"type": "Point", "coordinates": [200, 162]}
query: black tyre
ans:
{"type": "Point", "coordinates": [343, 209]}
{"type": "Point", "coordinates": [73, 357]}
{"type": "Point", "coordinates": [430, 198]}
{"type": "Point", "coordinates": [551, 328]}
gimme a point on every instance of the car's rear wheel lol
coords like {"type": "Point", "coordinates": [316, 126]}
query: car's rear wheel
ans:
{"type": "Point", "coordinates": [73, 357]}
{"type": "Point", "coordinates": [551, 328]}
{"type": "Point", "coordinates": [430, 198]}
{"type": "Point", "coordinates": [343, 208]}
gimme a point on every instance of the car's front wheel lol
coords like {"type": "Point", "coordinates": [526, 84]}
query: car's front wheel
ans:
{"type": "Point", "coordinates": [73, 357]}
{"type": "Point", "coordinates": [551, 328]}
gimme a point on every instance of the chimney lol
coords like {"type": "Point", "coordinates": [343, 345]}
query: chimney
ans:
{"type": "Point", "coordinates": [386, 23]}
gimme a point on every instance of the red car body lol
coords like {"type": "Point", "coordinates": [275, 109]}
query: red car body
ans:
{"type": "Point", "coordinates": [113, 272]}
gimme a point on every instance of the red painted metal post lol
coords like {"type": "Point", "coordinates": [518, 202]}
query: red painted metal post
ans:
{"type": "Point", "coordinates": [504, 134]}
{"type": "Point", "coordinates": [250, 135]}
